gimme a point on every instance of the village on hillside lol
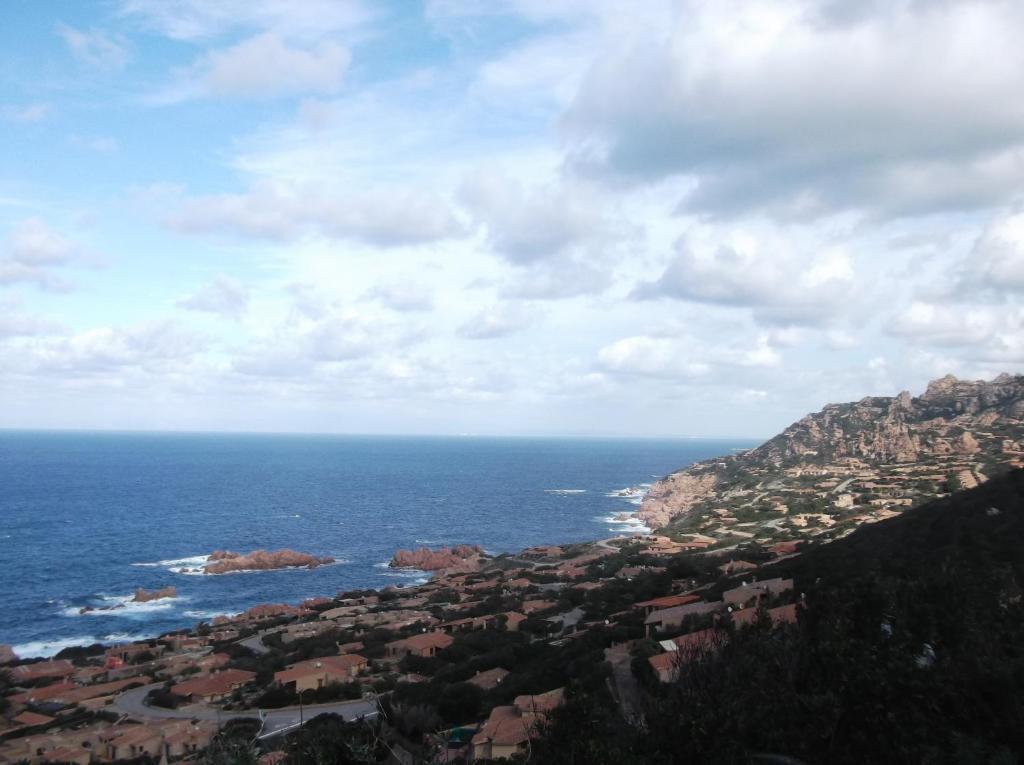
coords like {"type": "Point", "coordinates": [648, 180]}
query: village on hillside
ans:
{"type": "Point", "coordinates": [489, 648]}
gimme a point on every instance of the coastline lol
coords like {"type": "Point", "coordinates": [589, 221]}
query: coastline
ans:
{"type": "Point", "coordinates": [624, 525]}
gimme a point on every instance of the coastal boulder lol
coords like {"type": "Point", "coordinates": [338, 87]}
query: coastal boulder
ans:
{"type": "Point", "coordinates": [461, 557]}
{"type": "Point", "coordinates": [7, 655]}
{"type": "Point", "coordinates": [145, 596]}
{"type": "Point", "coordinates": [225, 562]}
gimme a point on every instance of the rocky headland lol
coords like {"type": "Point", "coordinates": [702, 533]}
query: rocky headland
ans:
{"type": "Point", "coordinates": [464, 558]}
{"type": "Point", "coordinates": [872, 456]}
{"type": "Point", "coordinates": [226, 562]}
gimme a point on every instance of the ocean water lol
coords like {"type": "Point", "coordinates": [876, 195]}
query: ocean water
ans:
{"type": "Point", "coordinates": [85, 518]}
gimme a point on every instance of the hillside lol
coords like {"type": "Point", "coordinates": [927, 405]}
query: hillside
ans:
{"type": "Point", "coordinates": [906, 647]}
{"type": "Point", "coordinates": [849, 464]}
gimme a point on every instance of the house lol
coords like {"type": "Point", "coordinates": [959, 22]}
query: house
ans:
{"type": "Point", "coordinates": [672, 618]}
{"type": "Point", "coordinates": [508, 729]}
{"type": "Point", "coordinates": [42, 669]}
{"type": "Point", "coordinates": [665, 666]}
{"type": "Point", "coordinates": [213, 687]}
{"type": "Point", "coordinates": [533, 606]}
{"type": "Point", "coordinates": [133, 741]}
{"type": "Point", "coordinates": [488, 679]}
{"type": "Point", "coordinates": [669, 601]}
{"type": "Point", "coordinates": [426, 644]}
{"type": "Point", "coordinates": [779, 615]}
{"type": "Point", "coordinates": [46, 693]}
{"type": "Point", "coordinates": [467, 624]}
{"type": "Point", "coordinates": [740, 596]}
{"type": "Point", "coordinates": [316, 673]}
{"type": "Point", "coordinates": [734, 566]}
{"type": "Point", "coordinates": [513, 619]}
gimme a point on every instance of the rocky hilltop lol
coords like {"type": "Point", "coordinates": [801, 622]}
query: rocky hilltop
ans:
{"type": "Point", "coordinates": [460, 557]}
{"type": "Point", "coordinates": [225, 561]}
{"type": "Point", "coordinates": [875, 455]}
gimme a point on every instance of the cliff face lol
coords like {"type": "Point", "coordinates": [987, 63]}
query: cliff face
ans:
{"type": "Point", "coordinates": [952, 418]}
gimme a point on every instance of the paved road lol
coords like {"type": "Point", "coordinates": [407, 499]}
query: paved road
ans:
{"type": "Point", "coordinates": [255, 642]}
{"type": "Point", "coordinates": [627, 689]}
{"type": "Point", "coordinates": [275, 720]}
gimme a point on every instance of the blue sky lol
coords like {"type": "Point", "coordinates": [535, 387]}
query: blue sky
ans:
{"type": "Point", "coordinates": [519, 217]}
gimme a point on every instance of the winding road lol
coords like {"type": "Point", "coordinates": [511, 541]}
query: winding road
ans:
{"type": "Point", "coordinates": [275, 721]}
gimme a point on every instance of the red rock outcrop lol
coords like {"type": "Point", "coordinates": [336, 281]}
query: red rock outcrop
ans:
{"type": "Point", "coordinates": [7, 654]}
{"type": "Point", "coordinates": [460, 557]}
{"type": "Point", "coordinates": [144, 596]}
{"type": "Point", "coordinates": [225, 562]}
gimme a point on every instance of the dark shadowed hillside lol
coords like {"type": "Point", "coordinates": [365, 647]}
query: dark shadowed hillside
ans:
{"type": "Point", "coordinates": [908, 648]}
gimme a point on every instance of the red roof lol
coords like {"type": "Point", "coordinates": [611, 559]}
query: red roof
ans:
{"type": "Point", "coordinates": [668, 601]}
{"type": "Point", "coordinates": [214, 685]}
{"type": "Point", "coordinates": [55, 668]}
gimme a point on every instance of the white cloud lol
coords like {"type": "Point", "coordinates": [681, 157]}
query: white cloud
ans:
{"type": "Point", "coordinates": [392, 217]}
{"type": "Point", "coordinates": [403, 295]}
{"type": "Point", "coordinates": [781, 287]}
{"type": "Point", "coordinates": [95, 47]}
{"type": "Point", "coordinates": [35, 112]}
{"type": "Point", "coordinates": [683, 356]}
{"type": "Point", "coordinates": [996, 262]}
{"type": "Point", "coordinates": [197, 20]}
{"type": "Point", "coordinates": [150, 347]}
{"type": "Point", "coordinates": [225, 296]}
{"type": "Point", "coordinates": [978, 333]}
{"type": "Point", "coordinates": [525, 225]}
{"type": "Point", "coordinates": [30, 253]}
{"type": "Point", "coordinates": [499, 320]}
{"type": "Point", "coordinates": [14, 322]}
{"type": "Point", "coordinates": [265, 66]}
{"type": "Point", "coordinates": [779, 106]}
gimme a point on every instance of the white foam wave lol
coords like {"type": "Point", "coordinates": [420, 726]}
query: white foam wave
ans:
{"type": "Point", "coordinates": [191, 565]}
{"type": "Point", "coordinates": [44, 649]}
{"type": "Point", "coordinates": [122, 605]}
{"type": "Point", "coordinates": [206, 615]}
{"type": "Point", "coordinates": [622, 523]}
{"type": "Point", "coordinates": [194, 566]}
{"type": "Point", "coordinates": [564, 492]}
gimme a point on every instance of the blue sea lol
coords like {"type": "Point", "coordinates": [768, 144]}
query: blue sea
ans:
{"type": "Point", "coordinates": [89, 517]}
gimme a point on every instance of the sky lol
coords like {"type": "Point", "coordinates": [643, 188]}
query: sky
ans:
{"type": "Point", "coordinates": [503, 217]}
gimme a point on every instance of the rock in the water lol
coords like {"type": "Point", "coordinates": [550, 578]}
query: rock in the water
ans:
{"type": "Point", "coordinates": [224, 561]}
{"type": "Point", "coordinates": [7, 654]}
{"type": "Point", "coordinates": [461, 557]}
{"type": "Point", "coordinates": [145, 596]}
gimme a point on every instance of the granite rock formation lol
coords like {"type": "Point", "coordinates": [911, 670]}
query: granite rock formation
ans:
{"type": "Point", "coordinates": [980, 420]}
{"type": "Point", "coordinates": [226, 562]}
{"type": "Point", "coordinates": [145, 596]}
{"type": "Point", "coordinates": [461, 557]}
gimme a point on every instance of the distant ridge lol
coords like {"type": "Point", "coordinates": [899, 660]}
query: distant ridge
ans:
{"type": "Point", "coordinates": [852, 463]}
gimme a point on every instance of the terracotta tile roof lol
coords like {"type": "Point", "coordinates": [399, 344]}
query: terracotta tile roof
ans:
{"type": "Point", "coordinates": [55, 668]}
{"type": "Point", "coordinates": [328, 665]}
{"type": "Point", "coordinates": [669, 601]}
{"type": "Point", "coordinates": [489, 678]}
{"type": "Point", "coordinates": [217, 684]}
{"type": "Point", "coordinates": [31, 718]}
{"type": "Point", "coordinates": [426, 640]}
